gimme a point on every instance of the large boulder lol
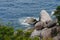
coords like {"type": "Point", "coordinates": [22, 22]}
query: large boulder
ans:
{"type": "Point", "coordinates": [39, 25]}
{"type": "Point", "coordinates": [50, 24]}
{"type": "Point", "coordinates": [45, 16]}
{"type": "Point", "coordinates": [49, 32]}
{"type": "Point", "coordinates": [36, 33]}
{"type": "Point", "coordinates": [58, 28]}
{"type": "Point", "coordinates": [56, 37]}
{"type": "Point", "coordinates": [46, 33]}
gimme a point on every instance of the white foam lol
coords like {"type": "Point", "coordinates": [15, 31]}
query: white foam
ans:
{"type": "Point", "coordinates": [37, 18]}
{"type": "Point", "coordinates": [34, 18]}
{"type": "Point", "coordinates": [22, 20]}
{"type": "Point", "coordinates": [52, 13]}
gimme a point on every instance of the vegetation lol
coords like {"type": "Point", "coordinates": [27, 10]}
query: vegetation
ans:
{"type": "Point", "coordinates": [8, 33]}
{"type": "Point", "coordinates": [57, 14]}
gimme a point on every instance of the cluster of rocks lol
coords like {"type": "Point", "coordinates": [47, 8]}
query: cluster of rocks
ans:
{"type": "Point", "coordinates": [45, 27]}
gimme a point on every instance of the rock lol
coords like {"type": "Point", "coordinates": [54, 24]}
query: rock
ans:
{"type": "Point", "coordinates": [45, 16]}
{"type": "Point", "coordinates": [58, 29]}
{"type": "Point", "coordinates": [46, 33]}
{"type": "Point", "coordinates": [50, 24]}
{"type": "Point", "coordinates": [56, 37]}
{"type": "Point", "coordinates": [35, 33]}
{"type": "Point", "coordinates": [54, 31]}
{"type": "Point", "coordinates": [30, 20]}
{"type": "Point", "coordinates": [39, 25]}
{"type": "Point", "coordinates": [49, 32]}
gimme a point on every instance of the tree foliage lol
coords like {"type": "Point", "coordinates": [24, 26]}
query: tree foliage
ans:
{"type": "Point", "coordinates": [57, 14]}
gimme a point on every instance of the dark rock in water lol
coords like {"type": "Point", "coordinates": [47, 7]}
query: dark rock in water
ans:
{"type": "Point", "coordinates": [39, 25]}
{"type": "Point", "coordinates": [30, 20]}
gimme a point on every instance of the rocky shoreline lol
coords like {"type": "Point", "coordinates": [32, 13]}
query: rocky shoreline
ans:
{"type": "Point", "coordinates": [45, 27]}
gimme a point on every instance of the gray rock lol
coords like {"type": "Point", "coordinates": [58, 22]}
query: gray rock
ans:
{"type": "Point", "coordinates": [45, 16]}
{"type": "Point", "coordinates": [49, 32]}
{"type": "Point", "coordinates": [39, 25]}
{"type": "Point", "coordinates": [55, 30]}
{"type": "Point", "coordinates": [46, 33]}
{"type": "Point", "coordinates": [56, 38]}
{"type": "Point", "coordinates": [30, 20]}
{"type": "Point", "coordinates": [58, 29]}
{"type": "Point", "coordinates": [50, 24]}
{"type": "Point", "coordinates": [35, 33]}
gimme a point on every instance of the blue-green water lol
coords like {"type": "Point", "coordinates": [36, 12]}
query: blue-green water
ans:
{"type": "Point", "coordinates": [15, 11]}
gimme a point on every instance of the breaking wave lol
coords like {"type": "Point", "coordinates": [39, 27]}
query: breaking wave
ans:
{"type": "Point", "coordinates": [22, 21]}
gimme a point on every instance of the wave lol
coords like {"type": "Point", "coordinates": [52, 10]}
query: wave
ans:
{"type": "Point", "coordinates": [22, 21]}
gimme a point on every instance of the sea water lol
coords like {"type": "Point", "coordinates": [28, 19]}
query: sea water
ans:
{"type": "Point", "coordinates": [16, 11]}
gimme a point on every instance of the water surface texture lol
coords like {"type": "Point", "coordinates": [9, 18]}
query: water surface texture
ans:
{"type": "Point", "coordinates": [15, 11]}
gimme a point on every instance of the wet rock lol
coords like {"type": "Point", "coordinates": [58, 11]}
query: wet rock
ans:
{"type": "Point", "coordinates": [30, 20]}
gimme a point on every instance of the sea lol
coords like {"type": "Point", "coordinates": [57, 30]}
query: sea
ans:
{"type": "Point", "coordinates": [14, 12]}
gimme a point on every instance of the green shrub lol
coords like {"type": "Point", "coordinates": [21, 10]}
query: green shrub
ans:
{"type": "Point", "coordinates": [8, 33]}
{"type": "Point", "coordinates": [57, 14]}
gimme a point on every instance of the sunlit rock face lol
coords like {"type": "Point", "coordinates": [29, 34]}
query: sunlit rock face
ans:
{"type": "Point", "coordinates": [45, 16]}
{"type": "Point", "coordinates": [36, 33]}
